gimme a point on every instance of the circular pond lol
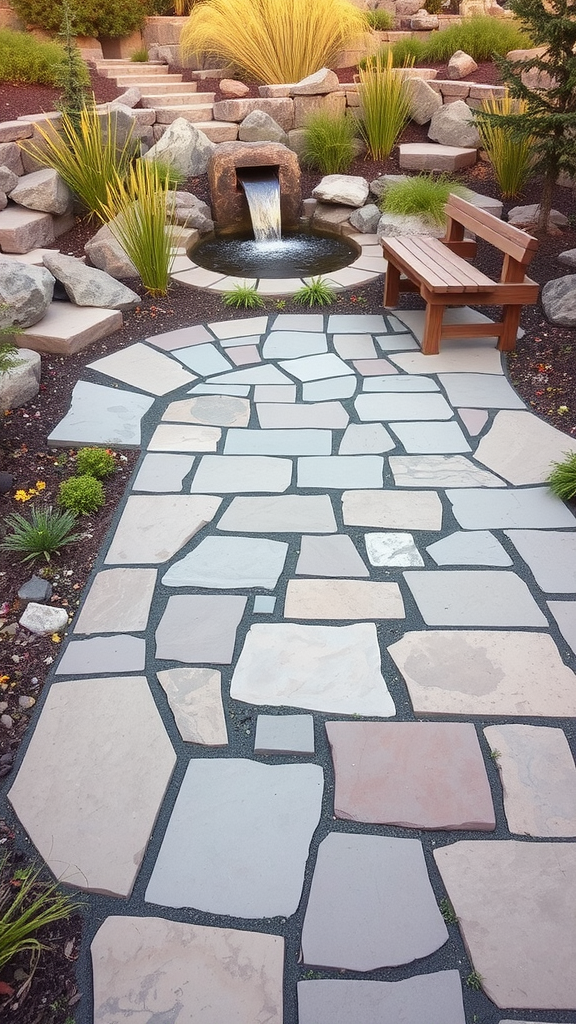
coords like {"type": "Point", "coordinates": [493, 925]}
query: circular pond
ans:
{"type": "Point", "coordinates": [298, 254]}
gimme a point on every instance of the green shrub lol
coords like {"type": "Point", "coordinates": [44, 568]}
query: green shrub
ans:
{"type": "Point", "coordinates": [481, 37]}
{"type": "Point", "coordinates": [316, 293]}
{"type": "Point", "coordinates": [243, 297]}
{"type": "Point", "coordinates": [511, 157]}
{"type": "Point", "coordinates": [81, 494]}
{"type": "Point", "coordinates": [404, 53]}
{"type": "Point", "coordinates": [562, 479]}
{"type": "Point", "coordinates": [329, 143]}
{"type": "Point", "coordinates": [384, 106]}
{"type": "Point", "coordinates": [140, 56]}
{"type": "Point", "coordinates": [423, 195]}
{"type": "Point", "coordinates": [91, 17]}
{"type": "Point", "coordinates": [8, 349]}
{"type": "Point", "coordinates": [380, 20]}
{"type": "Point", "coordinates": [96, 462]}
{"type": "Point", "coordinates": [26, 908]}
{"type": "Point", "coordinates": [43, 534]}
{"type": "Point", "coordinates": [23, 58]}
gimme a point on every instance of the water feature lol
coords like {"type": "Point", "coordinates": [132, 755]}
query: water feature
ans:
{"type": "Point", "coordinates": [262, 191]}
{"type": "Point", "coordinates": [296, 254]}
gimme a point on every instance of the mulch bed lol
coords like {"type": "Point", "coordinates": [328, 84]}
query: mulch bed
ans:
{"type": "Point", "coordinates": [543, 370]}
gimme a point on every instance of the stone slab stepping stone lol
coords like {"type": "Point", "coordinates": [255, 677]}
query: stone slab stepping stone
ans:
{"type": "Point", "coordinates": [293, 344]}
{"type": "Point", "coordinates": [227, 563]}
{"type": "Point", "coordinates": [238, 838]}
{"type": "Point", "coordinates": [316, 367]}
{"type": "Point", "coordinates": [326, 390]}
{"type": "Point", "coordinates": [565, 614]}
{"type": "Point", "coordinates": [284, 734]}
{"type": "Point", "coordinates": [403, 407]}
{"type": "Point", "coordinates": [199, 974]}
{"type": "Point", "coordinates": [92, 827]}
{"type": "Point", "coordinates": [330, 556]}
{"type": "Point", "coordinates": [225, 329]}
{"type": "Point", "coordinates": [101, 416]}
{"type": "Point", "coordinates": [439, 470]}
{"type": "Point", "coordinates": [290, 513]}
{"type": "Point", "coordinates": [356, 323]}
{"type": "Point", "coordinates": [330, 415]}
{"type": "Point", "coordinates": [364, 439]}
{"type": "Point", "coordinates": [299, 322]}
{"type": "Point", "coordinates": [278, 442]}
{"type": "Point", "coordinates": [480, 391]}
{"type": "Point", "coordinates": [342, 599]}
{"type": "Point", "coordinates": [522, 947]}
{"type": "Point", "coordinates": [66, 329]}
{"type": "Point", "coordinates": [434, 998]}
{"type": "Point", "coordinates": [393, 510]}
{"type": "Point", "coordinates": [203, 359]}
{"type": "Point", "coordinates": [474, 598]}
{"type": "Point", "coordinates": [431, 156]}
{"type": "Point", "coordinates": [334, 669]}
{"type": "Point", "coordinates": [118, 601]}
{"type": "Point", "coordinates": [374, 367]}
{"type": "Point", "coordinates": [200, 628]}
{"type": "Point", "coordinates": [355, 346]}
{"type": "Point", "coordinates": [153, 527]}
{"type": "Point", "coordinates": [162, 473]}
{"type": "Point", "coordinates": [473, 419]}
{"type": "Point", "coordinates": [216, 411]}
{"type": "Point", "coordinates": [397, 343]}
{"type": "Point", "coordinates": [520, 447]}
{"type": "Point", "coordinates": [392, 549]}
{"type": "Point", "coordinates": [340, 471]}
{"type": "Point", "coordinates": [183, 338]}
{"type": "Point", "coordinates": [275, 393]}
{"type": "Point", "coordinates": [181, 437]}
{"type": "Point", "coordinates": [405, 382]}
{"type": "Point", "coordinates": [538, 779]}
{"type": "Point", "coordinates": [529, 508]}
{"type": "Point", "coordinates": [550, 556]}
{"type": "Point", "coordinates": [264, 374]}
{"type": "Point", "coordinates": [504, 673]}
{"type": "Point", "coordinates": [457, 355]}
{"type": "Point", "coordinates": [430, 438]}
{"type": "Point", "coordinates": [478, 547]}
{"type": "Point", "coordinates": [195, 699]}
{"type": "Point", "coordinates": [371, 905]}
{"type": "Point", "coordinates": [122, 653]}
{"type": "Point", "coordinates": [230, 474]}
{"type": "Point", "coordinates": [233, 390]}
{"type": "Point", "coordinates": [145, 368]}
{"type": "Point", "coordinates": [414, 774]}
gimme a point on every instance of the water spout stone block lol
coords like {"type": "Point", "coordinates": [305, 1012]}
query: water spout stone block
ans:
{"type": "Point", "coordinates": [229, 206]}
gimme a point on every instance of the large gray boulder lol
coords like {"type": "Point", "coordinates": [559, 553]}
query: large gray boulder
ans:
{"type": "Point", "coordinates": [258, 126]}
{"type": "Point", "coordinates": [422, 21]}
{"type": "Point", "coordinates": [366, 219]}
{"type": "Point", "coordinates": [86, 286]}
{"type": "Point", "coordinates": [318, 84]}
{"type": "Point", "coordinates": [453, 125]}
{"type": "Point", "coordinates": [460, 65]}
{"type": "Point", "coordinates": [526, 217]}
{"type": "Point", "coordinates": [184, 147]}
{"type": "Point", "coordinates": [568, 258]}
{"type": "Point", "coordinates": [105, 253]}
{"type": "Point", "coordinates": [379, 186]}
{"type": "Point", "coordinates": [43, 190]}
{"type": "Point", "coordinates": [342, 190]}
{"type": "Point", "coordinates": [424, 101]}
{"type": "Point", "coordinates": [21, 383]}
{"type": "Point", "coordinates": [191, 212]}
{"type": "Point", "coordinates": [559, 301]}
{"type": "Point", "coordinates": [25, 292]}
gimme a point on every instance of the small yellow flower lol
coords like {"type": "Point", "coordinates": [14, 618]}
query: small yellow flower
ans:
{"type": "Point", "coordinates": [4, 680]}
{"type": "Point", "coordinates": [56, 638]}
{"type": "Point", "coordinates": [40, 485]}
{"type": "Point", "coordinates": [21, 496]}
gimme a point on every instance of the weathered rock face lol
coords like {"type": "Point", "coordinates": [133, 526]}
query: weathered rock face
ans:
{"type": "Point", "coordinates": [184, 147]}
{"type": "Point", "coordinates": [20, 384]}
{"type": "Point", "coordinates": [424, 22]}
{"type": "Point", "coordinates": [406, 8]}
{"type": "Point", "coordinates": [191, 212]}
{"type": "Point", "coordinates": [460, 65]}
{"type": "Point", "coordinates": [229, 207]}
{"type": "Point", "coordinates": [25, 291]}
{"type": "Point", "coordinates": [43, 619]}
{"type": "Point", "coordinates": [379, 185]}
{"type": "Point", "coordinates": [8, 180]}
{"type": "Point", "coordinates": [320, 82]}
{"type": "Point", "coordinates": [107, 254]}
{"type": "Point", "coordinates": [453, 125]}
{"type": "Point", "coordinates": [424, 101]}
{"type": "Point", "coordinates": [258, 126]}
{"type": "Point", "coordinates": [392, 224]}
{"type": "Point", "coordinates": [342, 189]}
{"type": "Point", "coordinates": [526, 217]}
{"type": "Point", "coordinates": [43, 190]}
{"type": "Point", "coordinates": [568, 258]}
{"type": "Point", "coordinates": [130, 98]}
{"type": "Point", "coordinates": [232, 89]}
{"type": "Point", "coordinates": [559, 300]}
{"type": "Point", "coordinates": [86, 286]}
{"type": "Point", "coordinates": [333, 104]}
{"type": "Point", "coordinates": [366, 219]}
{"type": "Point", "coordinates": [10, 157]}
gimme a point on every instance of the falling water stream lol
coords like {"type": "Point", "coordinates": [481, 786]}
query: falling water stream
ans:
{"type": "Point", "coordinates": [263, 198]}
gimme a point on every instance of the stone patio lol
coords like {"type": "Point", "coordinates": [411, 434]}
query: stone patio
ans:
{"type": "Point", "coordinates": [335, 620]}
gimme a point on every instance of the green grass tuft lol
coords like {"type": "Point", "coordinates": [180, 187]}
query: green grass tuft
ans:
{"type": "Point", "coordinates": [243, 297]}
{"type": "Point", "coordinates": [329, 143]}
{"type": "Point", "coordinates": [562, 479]}
{"type": "Point", "coordinates": [316, 293]}
{"type": "Point", "coordinates": [422, 195]}
{"type": "Point", "coordinates": [380, 20]}
{"type": "Point", "coordinates": [26, 908]}
{"type": "Point", "coordinates": [384, 106]}
{"type": "Point", "coordinates": [44, 533]}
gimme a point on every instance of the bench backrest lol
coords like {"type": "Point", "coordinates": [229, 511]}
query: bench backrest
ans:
{"type": "Point", "coordinates": [517, 244]}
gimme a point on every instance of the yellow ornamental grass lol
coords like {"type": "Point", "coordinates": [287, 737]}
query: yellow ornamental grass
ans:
{"type": "Point", "coordinates": [273, 41]}
{"type": "Point", "coordinates": [510, 156]}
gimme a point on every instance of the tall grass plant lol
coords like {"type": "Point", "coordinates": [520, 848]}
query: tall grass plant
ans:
{"type": "Point", "coordinates": [25, 908]}
{"type": "Point", "coordinates": [329, 143]}
{"type": "Point", "coordinates": [423, 195]}
{"type": "Point", "coordinates": [384, 106]}
{"type": "Point", "coordinates": [511, 157]}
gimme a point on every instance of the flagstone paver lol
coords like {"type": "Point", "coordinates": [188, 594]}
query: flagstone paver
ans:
{"type": "Point", "coordinates": [183, 338]}
{"type": "Point", "coordinates": [220, 411]}
{"type": "Point", "coordinates": [522, 948]}
{"type": "Point", "coordinates": [476, 547]}
{"type": "Point", "coordinates": [199, 629]}
{"type": "Point", "coordinates": [474, 598]}
{"type": "Point", "coordinates": [326, 390]}
{"type": "Point", "coordinates": [564, 613]}
{"type": "Point", "coordinates": [195, 699]}
{"type": "Point", "coordinates": [430, 438]}
{"type": "Point", "coordinates": [100, 654]}
{"type": "Point", "coordinates": [238, 838]}
{"type": "Point", "coordinates": [292, 344]}
{"type": "Point", "coordinates": [401, 384]}
{"type": "Point", "coordinates": [264, 374]}
{"type": "Point", "coordinates": [342, 599]}
{"type": "Point", "coordinates": [520, 447]}
{"type": "Point", "coordinates": [474, 420]}
{"type": "Point", "coordinates": [330, 415]}
{"type": "Point", "coordinates": [92, 826]}
{"type": "Point", "coordinates": [365, 438]}
{"type": "Point", "coordinates": [356, 323]}
{"type": "Point", "coordinates": [226, 329]}
{"type": "Point", "coordinates": [264, 605]}
{"type": "Point", "coordinates": [397, 343]}
{"type": "Point", "coordinates": [233, 474]}
{"type": "Point", "coordinates": [340, 471]}
{"type": "Point", "coordinates": [227, 563]}
{"type": "Point", "coordinates": [528, 508]}
{"type": "Point", "coordinates": [162, 472]}
{"type": "Point", "coordinates": [371, 904]}
{"type": "Point", "coordinates": [435, 998]}
{"type": "Point", "coordinates": [316, 367]}
{"type": "Point", "coordinates": [409, 406]}
{"type": "Point", "coordinates": [394, 510]}
{"type": "Point", "coordinates": [181, 437]}
{"type": "Point", "coordinates": [101, 416]}
{"type": "Point", "coordinates": [145, 368]}
{"type": "Point", "coordinates": [373, 367]}
{"type": "Point", "coordinates": [550, 556]}
{"type": "Point", "coordinates": [203, 359]}
{"type": "Point", "coordinates": [118, 601]}
{"type": "Point", "coordinates": [275, 393]}
{"type": "Point", "coordinates": [332, 555]}
{"type": "Point", "coordinates": [230, 390]}
{"type": "Point", "coordinates": [278, 442]}
{"type": "Point", "coordinates": [153, 527]}
{"type": "Point", "coordinates": [355, 346]}
{"type": "Point", "coordinates": [480, 391]}
{"type": "Point", "coordinates": [284, 734]}
{"type": "Point", "coordinates": [439, 471]}
{"type": "Point", "coordinates": [392, 549]}
{"type": "Point", "coordinates": [414, 774]}
{"type": "Point", "coordinates": [157, 970]}
{"type": "Point", "coordinates": [538, 778]}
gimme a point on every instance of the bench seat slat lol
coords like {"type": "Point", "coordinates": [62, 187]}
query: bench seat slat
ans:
{"type": "Point", "coordinates": [440, 269]}
{"type": "Point", "coordinates": [453, 264]}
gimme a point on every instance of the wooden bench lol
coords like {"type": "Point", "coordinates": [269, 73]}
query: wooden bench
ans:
{"type": "Point", "coordinates": [439, 271]}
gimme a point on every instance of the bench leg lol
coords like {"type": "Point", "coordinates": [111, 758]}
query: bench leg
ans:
{"type": "Point", "coordinates": [391, 286]}
{"type": "Point", "coordinates": [510, 322]}
{"type": "Point", "coordinates": [432, 330]}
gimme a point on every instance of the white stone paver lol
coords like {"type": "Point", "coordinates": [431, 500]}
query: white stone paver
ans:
{"type": "Point", "coordinates": [144, 368]}
{"type": "Point", "coordinates": [521, 447]}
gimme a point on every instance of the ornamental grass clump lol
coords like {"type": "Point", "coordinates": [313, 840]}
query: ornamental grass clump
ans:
{"type": "Point", "coordinates": [43, 534]}
{"type": "Point", "coordinates": [423, 195]}
{"type": "Point", "coordinates": [243, 297]}
{"type": "Point", "coordinates": [316, 293]}
{"type": "Point", "coordinates": [384, 105]}
{"type": "Point", "coordinates": [26, 906]}
{"type": "Point", "coordinates": [329, 143]}
{"type": "Point", "coordinates": [273, 41]}
{"type": "Point", "coordinates": [562, 479]}
{"type": "Point", "coordinates": [510, 155]}
{"type": "Point", "coordinates": [481, 37]}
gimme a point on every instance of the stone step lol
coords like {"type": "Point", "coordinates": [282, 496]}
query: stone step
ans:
{"type": "Point", "coordinates": [167, 88]}
{"type": "Point", "coordinates": [22, 230]}
{"type": "Point", "coordinates": [133, 70]}
{"type": "Point", "coordinates": [177, 99]}
{"type": "Point", "coordinates": [217, 74]}
{"type": "Point", "coordinates": [66, 329]}
{"type": "Point", "coordinates": [200, 112]}
{"type": "Point", "coordinates": [216, 131]}
{"type": "Point", "coordinates": [430, 156]}
{"type": "Point", "coordinates": [152, 81]}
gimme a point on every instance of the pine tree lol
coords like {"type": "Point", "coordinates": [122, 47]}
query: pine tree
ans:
{"type": "Point", "coordinates": [73, 73]}
{"type": "Point", "coordinates": [550, 115]}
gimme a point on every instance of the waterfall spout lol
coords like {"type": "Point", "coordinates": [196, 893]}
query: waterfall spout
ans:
{"type": "Point", "coordinates": [263, 198]}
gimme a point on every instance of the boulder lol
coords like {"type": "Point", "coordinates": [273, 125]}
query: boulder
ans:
{"type": "Point", "coordinates": [130, 98]}
{"type": "Point", "coordinates": [424, 100]}
{"type": "Point", "coordinates": [86, 286]}
{"type": "Point", "coordinates": [26, 291]}
{"type": "Point", "coordinates": [35, 589]}
{"type": "Point", "coordinates": [392, 224]}
{"type": "Point", "coordinates": [10, 157]}
{"type": "Point", "coordinates": [297, 142]}
{"type": "Point", "coordinates": [453, 125]}
{"type": "Point", "coordinates": [8, 180]}
{"type": "Point", "coordinates": [526, 217]}
{"type": "Point", "coordinates": [232, 89]}
{"type": "Point", "coordinates": [3, 200]}
{"type": "Point", "coordinates": [43, 190]}
{"type": "Point", "coordinates": [318, 84]}
{"type": "Point", "coordinates": [107, 254]}
{"type": "Point", "coordinates": [191, 212]}
{"type": "Point", "coordinates": [43, 618]}
{"type": "Point", "coordinates": [21, 383]}
{"type": "Point", "coordinates": [379, 185]}
{"type": "Point", "coordinates": [568, 258]}
{"type": "Point", "coordinates": [281, 109]}
{"type": "Point", "coordinates": [258, 126]}
{"type": "Point", "coordinates": [342, 190]}
{"type": "Point", "coordinates": [11, 131]}
{"type": "Point", "coordinates": [184, 147]}
{"type": "Point", "coordinates": [406, 8]}
{"type": "Point", "coordinates": [332, 104]}
{"type": "Point", "coordinates": [424, 22]}
{"type": "Point", "coordinates": [559, 301]}
{"type": "Point", "coordinates": [366, 219]}
{"type": "Point", "coordinates": [330, 218]}
{"type": "Point", "coordinates": [460, 65]}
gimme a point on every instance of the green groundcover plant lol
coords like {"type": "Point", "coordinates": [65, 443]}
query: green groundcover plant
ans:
{"type": "Point", "coordinates": [25, 908]}
{"type": "Point", "coordinates": [23, 58]}
{"type": "Point", "coordinates": [43, 534]}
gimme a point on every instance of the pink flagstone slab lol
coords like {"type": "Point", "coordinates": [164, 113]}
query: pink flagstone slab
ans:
{"type": "Point", "coordinates": [413, 774]}
{"type": "Point", "coordinates": [516, 908]}
{"type": "Point", "coordinates": [473, 420]}
{"type": "Point", "coordinates": [118, 601]}
{"type": "Point", "coordinates": [424, 999]}
{"type": "Point", "coordinates": [343, 599]}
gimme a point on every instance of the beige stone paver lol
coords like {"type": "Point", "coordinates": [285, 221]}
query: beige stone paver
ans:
{"type": "Point", "coordinates": [153, 527]}
{"type": "Point", "coordinates": [342, 599]}
{"type": "Point", "coordinates": [118, 602]}
{"type": "Point", "coordinates": [393, 510]}
{"type": "Point", "coordinates": [520, 447]}
{"type": "Point", "coordinates": [195, 699]}
{"type": "Point", "coordinates": [144, 368]}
